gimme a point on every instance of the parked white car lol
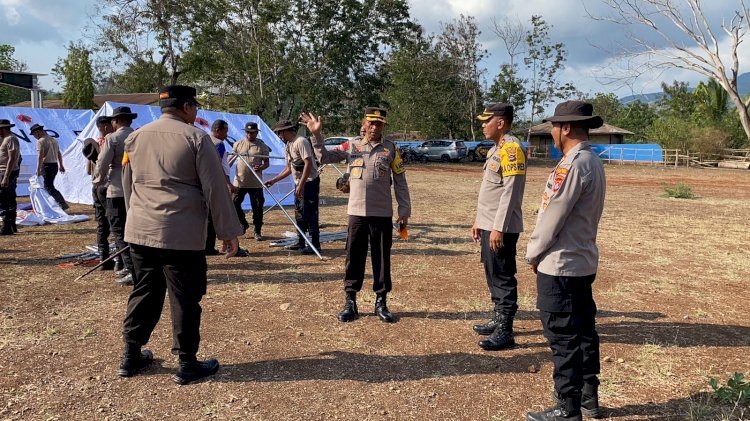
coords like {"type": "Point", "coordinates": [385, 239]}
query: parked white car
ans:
{"type": "Point", "coordinates": [334, 142]}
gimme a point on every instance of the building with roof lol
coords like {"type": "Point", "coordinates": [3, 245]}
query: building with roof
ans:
{"type": "Point", "coordinates": [541, 137]}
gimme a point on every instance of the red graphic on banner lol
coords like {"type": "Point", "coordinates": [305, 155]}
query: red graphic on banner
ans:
{"type": "Point", "coordinates": [201, 122]}
{"type": "Point", "coordinates": [24, 118]}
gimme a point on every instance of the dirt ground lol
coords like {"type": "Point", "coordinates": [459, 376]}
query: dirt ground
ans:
{"type": "Point", "coordinates": [671, 290]}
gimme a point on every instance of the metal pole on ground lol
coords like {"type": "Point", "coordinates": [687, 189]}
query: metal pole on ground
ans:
{"type": "Point", "coordinates": [266, 189]}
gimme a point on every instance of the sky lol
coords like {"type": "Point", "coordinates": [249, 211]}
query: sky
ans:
{"type": "Point", "coordinates": [40, 30]}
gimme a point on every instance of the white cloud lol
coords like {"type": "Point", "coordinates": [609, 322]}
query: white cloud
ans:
{"type": "Point", "coordinates": [12, 16]}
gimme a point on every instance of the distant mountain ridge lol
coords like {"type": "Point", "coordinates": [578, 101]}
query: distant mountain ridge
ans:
{"type": "Point", "coordinates": [743, 85]}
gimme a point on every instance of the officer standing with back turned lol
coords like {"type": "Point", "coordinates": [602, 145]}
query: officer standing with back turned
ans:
{"type": "Point", "coordinates": [172, 176]}
{"type": "Point", "coordinates": [562, 252]}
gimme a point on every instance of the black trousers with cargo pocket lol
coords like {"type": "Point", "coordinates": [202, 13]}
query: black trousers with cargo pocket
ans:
{"type": "Point", "coordinates": [377, 233]}
{"type": "Point", "coordinates": [182, 273]}
{"type": "Point", "coordinates": [568, 312]}
{"type": "Point", "coordinates": [500, 271]}
{"type": "Point", "coordinates": [117, 215]}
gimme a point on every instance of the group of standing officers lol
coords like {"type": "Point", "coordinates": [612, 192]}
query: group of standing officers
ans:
{"type": "Point", "coordinates": [170, 181]}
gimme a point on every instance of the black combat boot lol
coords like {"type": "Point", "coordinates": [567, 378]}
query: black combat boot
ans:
{"type": "Point", "coordinates": [381, 309]}
{"type": "Point", "coordinates": [134, 360]}
{"type": "Point", "coordinates": [568, 409]}
{"type": "Point", "coordinates": [119, 266]}
{"type": "Point", "coordinates": [489, 327]}
{"type": "Point", "coordinates": [589, 401]}
{"type": "Point", "coordinates": [104, 255]}
{"type": "Point", "coordinates": [192, 370]}
{"type": "Point", "coordinates": [349, 313]}
{"type": "Point", "coordinates": [501, 337]}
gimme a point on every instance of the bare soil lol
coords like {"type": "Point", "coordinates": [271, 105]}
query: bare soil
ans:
{"type": "Point", "coordinates": [671, 290]}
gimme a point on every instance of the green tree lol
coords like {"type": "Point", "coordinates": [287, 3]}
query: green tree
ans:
{"type": "Point", "coordinates": [712, 100]}
{"type": "Point", "coordinates": [678, 100]}
{"type": "Point", "coordinates": [508, 87]}
{"type": "Point", "coordinates": [75, 73]}
{"type": "Point", "coordinates": [607, 105]}
{"type": "Point", "coordinates": [421, 82]}
{"type": "Point", "coordinates": [544, 60]}
{"type": "Point", "coordinates": [8, 94]}
{"type": "Point", "coordinates": [637, 117]}
{"type": "Point", "coordinates": [142, 75]}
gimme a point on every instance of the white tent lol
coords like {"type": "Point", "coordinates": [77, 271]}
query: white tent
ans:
{"type": "Point", "coordinates": [75, 184]}
{"type": "Point", "coordinates": [64, 125]}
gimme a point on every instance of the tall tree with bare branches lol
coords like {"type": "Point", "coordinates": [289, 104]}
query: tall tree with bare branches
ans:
{"type": "Point", "coordinates": [685, 39]}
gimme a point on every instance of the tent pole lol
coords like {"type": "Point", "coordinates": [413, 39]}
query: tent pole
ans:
{"type": "Point", "coordinates": [299, 230]}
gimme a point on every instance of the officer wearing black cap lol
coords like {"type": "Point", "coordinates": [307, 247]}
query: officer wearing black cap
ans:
{"type": "Point", "coordinates": [499, 222]}
{"type": "Point", "coordinates": [244, 180]}
{"type": "Point", "coordinates": [10, 157]}
{"type": "Point", "coordinates": [109, 171]}
{"type": "Point", "coordinates": [562, 252]}
{"type": "Point", "coordinates": [374, 166]}
{"type": "Point", "coordinates": [171, 175]}
{"type": "Point", "coordinates": [49, 162]}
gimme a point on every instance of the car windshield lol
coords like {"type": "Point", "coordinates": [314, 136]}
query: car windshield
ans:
{"type": "Point", "coordinates": [460, 145]}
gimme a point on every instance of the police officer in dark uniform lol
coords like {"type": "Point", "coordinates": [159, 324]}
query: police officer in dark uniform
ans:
{"type": "Point", "coordinates": [562, 252]}
{"type": "Point", "coordinates": [172, 177]}
{"type": "Point", "coordinates": [91, 150]}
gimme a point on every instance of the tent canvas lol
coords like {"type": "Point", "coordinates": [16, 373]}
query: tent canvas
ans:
{"type": "Point", "coordinates": [63, 125]}
{"type": "Point", "coordinates": [75, 184]}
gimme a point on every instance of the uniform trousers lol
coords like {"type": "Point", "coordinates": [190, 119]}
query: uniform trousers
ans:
{"type": "Point", "coordinates": [49, 172]}
{"type": "Point", "coordinates": [183, 274]}
{"type": "Point", "coordinates": [8, 201]}
{"type": "Point", "coordinates": [500, 272]}
{"type": "Point", "coordinates": [377, 232]}
{"type": "Point", "coordinates": [306, 211]}
{"type": "Point", "coordinates": [210, 234]}
{"type": "Point", "coordinates": [568, 311]}
{"type": "Point", "coordinates": [117, 215]}
{"type": "Point", "coordinates": [257, 200]}
{"type": "Point", "coordinates": [99, 194]}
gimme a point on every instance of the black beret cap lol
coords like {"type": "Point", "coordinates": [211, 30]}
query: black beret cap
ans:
{"type": "Point", "coordinates": [170, 95]}
{"type": "Point", "coordinates": [499, 109]}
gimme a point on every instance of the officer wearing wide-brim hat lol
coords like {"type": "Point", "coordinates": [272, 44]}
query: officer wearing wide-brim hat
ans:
{"type": "Point", "coordinates": [302, 164]}
{"type": "Point", "coordinates": [109, 170]}
{"type": "Point", "coordinates": [10, 157]}
{"type": "Point", "coordinates": [499, 222]}
{"type": "Point", "coordinates": [171, 175]}
{"type": "Point", "coordinates": [374, 165]}
{"type": "Point", "coordinates": [562, 252]}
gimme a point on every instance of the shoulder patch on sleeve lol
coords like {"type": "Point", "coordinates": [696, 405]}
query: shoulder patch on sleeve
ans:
{"type": "Point", "coordinates": [397, 165]}
{"type": "Point", "coordinates": [125, 159]}
{"type": "Point", "coordinates": [513, 160]}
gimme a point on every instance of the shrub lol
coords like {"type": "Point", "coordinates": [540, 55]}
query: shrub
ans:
{"type": "Point", "coordinates": [679, 191]}
{"type": "Point", "coordinates": [736, 392]}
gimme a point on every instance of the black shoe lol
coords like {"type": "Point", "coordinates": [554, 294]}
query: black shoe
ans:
{"type": "Point", "coordinates": [589, 401]}
{"type": "Point", "coordinates": [381, 309]}
{"type": "Point", "coordinates": [213, 252]}
{"type": "Point", "coordinates": [501, 337]}
{"type": "Point", "coordinates": [195, 370]}
{"type": "Point", "coordinates": [258, 236]}
{"type": "Point", "coordinates": [125, 280]}
{"type": "Point", "coordinates": [489, 327]}
{"type": "Point", "coordinates": [13, 226]}
{"type": "Point", "coordinates": [242, 253]}
{"type": "Point", "coordinates": [309, 250]}
{"type": "Point", "coordinates": [8, 231]}
{"type": "Point", "coordinates": [131, 364]}
{"type": "Point", "coordinates": [567, 409]}
{"type": "Point", "coordinates": [349, 313]}
{"type": "Point", "coordinates": [118, 264]}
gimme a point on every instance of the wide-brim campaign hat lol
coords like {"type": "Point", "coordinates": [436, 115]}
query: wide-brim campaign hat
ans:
{"type": "Point", "coordinates": [91, 149]}
{"type": "Point", "coordinates": [36, 127]}
{"type": "Point", "coordinates": [251, 127]}
{"type": "Point", "coordinates": [375, 114]}
{"type": "Point", "coordinates": [4, 123]}
{"type": "Point", "coordinates": [283, 125]}
{"type": "Point", "coordinates": [575, 112]}
{"type": "Point", "coordinates": [123, 112]}
{"type": "Point", "coordinates": [103, 119]}
{"type": "Point", "coordinates": [170, 95]}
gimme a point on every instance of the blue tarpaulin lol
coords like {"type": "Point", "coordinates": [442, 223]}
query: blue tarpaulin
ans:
{"type": "Point", "coordinates": [634, 152]}
{"type": "Point", "coordinates": [75, 185]}
{"type": "Point", "coordinates": [63, 125]}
